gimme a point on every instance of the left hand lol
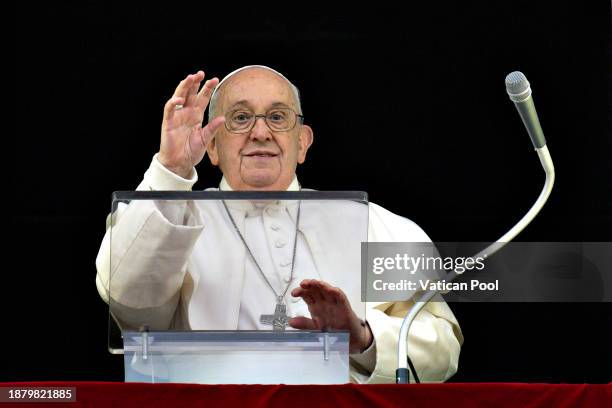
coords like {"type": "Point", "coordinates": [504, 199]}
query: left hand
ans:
{"type": "Point", "coordinates": [330, 309]}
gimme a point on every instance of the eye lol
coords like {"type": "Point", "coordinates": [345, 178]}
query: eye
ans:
{"type": "Point", "coordinates": [241, 116]}
{"type": "Point", "coordinates": [277, 116]}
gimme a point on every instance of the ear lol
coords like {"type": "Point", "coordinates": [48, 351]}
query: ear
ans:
{"type": "Point", "coordinates": [213, 153]}
{"type": "Point", "coordinates": [305, 139]}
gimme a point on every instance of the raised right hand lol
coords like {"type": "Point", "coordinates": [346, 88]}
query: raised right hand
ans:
{"type": "Point", "coordinates": [183, 139]}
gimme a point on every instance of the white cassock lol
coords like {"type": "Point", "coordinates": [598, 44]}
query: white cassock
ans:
{"type": "Point", "coordinates": [181, 266]}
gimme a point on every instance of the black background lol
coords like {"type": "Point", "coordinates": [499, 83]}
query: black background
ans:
{"type": "Point", "coordinates": [407, 103]}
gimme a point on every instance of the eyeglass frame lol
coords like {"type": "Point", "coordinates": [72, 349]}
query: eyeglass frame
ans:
{"type": "Point", "coordinates": [298, 118]}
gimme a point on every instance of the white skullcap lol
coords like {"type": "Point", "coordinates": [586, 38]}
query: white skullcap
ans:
{"type": "Point", "coordinates": [228, 76]}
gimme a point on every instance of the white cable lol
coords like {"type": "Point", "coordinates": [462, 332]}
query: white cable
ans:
{"type": "Point", "coordinates": [549, 169]}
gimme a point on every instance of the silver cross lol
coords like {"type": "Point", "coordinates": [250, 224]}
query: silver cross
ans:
{"type": "Point", "coordinates": [278, 320]}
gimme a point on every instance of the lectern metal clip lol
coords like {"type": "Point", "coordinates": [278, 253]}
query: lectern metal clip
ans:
{"type": "Point", "coordinates": [144, 337]}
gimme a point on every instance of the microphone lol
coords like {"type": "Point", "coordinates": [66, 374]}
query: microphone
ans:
{"type": "Point", "coordinates": [518, 88]}
{"type": "Point", "coordinates": [519, 91]}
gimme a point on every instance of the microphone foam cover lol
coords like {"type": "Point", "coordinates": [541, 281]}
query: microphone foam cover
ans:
{"type": "Point", "coordinates": [516, 83]}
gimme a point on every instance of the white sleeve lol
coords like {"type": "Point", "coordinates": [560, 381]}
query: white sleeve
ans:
{"type": "Point", "coordinates": [157, 177]}
{"type": "Point", "coordinates": [434, 341]}
{"type": "Point", "coordinates": [142, 271]}
{"type": "Point", "coordinates": [435, 337]}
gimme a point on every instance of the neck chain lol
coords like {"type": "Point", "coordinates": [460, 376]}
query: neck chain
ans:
{"type": "Point", "coordinates": [279, 298]}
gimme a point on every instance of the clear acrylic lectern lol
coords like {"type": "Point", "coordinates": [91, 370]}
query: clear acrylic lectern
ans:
{"type": "Point", "coordinates": [199, 284]}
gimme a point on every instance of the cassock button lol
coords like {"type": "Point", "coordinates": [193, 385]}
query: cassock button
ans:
{"type": "Point", "coordinates": [275, 227]}
{"type": "Point", "coordinates": [279, 244]}
{"type": "Point", "coordinates": [285, 263]}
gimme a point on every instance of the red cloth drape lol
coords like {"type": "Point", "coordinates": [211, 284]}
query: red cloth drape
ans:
{"type": "Point", "coordinates": [499, 395]}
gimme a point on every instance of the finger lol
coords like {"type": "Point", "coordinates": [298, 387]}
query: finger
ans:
{"type": "Point", "coordinates": [309, 299]}
{"type": "Point", "coordinates": [197, 78]}
{"type": "Point", "coordinates": [332, 293]}
{"type": "Point", "coordinates": [304, 294]}
{"type": "Point", "coordinates": [306, 283]}
{"type": "Point", "coordinates": [206, 92]}
{"type": "Point", "coordinates": [322, 284]}
{"type": "Point", "coordinates": [310, 295]}
{"type": "Point", "coordinates": [195, 85]}
{"type": "Point", "coordinates": [182, 89]}
{"type": "Point", "coordinates": [319, 290]}
{"type": "Point", "coordinates": [336, 295]}
{"type": "Point", "coordinates": [302, 323]}
{"type": "Point", "coordinates": [208, 132]}
{"type": "Point", "coordinates": [170, 106]}
{"type": "Point", "coordinates": [314, 283]}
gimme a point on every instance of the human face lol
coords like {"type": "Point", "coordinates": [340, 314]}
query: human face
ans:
{"type": "Point", "coordinates": [260, 159]}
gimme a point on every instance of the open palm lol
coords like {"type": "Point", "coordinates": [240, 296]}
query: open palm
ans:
{"type": "Point", "coordinates": [183, 139]}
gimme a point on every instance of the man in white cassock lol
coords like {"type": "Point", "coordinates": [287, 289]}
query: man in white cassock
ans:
{"type": "Point", "coordinates": [222, 266]}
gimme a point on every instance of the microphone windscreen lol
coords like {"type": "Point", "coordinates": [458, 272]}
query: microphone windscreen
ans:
{"type": "Point", "coordinates": [516, 83]}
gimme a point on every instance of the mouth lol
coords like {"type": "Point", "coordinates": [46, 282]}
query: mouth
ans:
{"type": "Point", "coordinates": [261, 153]}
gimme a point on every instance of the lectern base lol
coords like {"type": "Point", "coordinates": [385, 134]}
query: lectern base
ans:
{"type": "Point", "coordinates": [237, 357]}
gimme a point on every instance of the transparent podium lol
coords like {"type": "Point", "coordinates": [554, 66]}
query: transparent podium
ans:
{"type": "Point", "coordinates": [216, 287]}
{"type": "Point", "coordinates": [237, 357]}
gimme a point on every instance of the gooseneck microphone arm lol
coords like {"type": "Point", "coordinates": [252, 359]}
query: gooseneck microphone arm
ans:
{"type": "Point", "coordinates": [519, 91]}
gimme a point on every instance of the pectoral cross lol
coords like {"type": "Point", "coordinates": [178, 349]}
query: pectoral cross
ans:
{"type": "Point", "coordinates": [278, 320]}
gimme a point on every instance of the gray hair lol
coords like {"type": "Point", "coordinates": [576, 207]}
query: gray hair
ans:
{"type": "Point", "coordinates": [214, 100]}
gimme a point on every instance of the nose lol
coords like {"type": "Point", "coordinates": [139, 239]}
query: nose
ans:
{"type": "Point", "coordinates": [260, 130]}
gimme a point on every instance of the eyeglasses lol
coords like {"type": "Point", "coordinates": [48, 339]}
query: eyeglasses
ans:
{"type": "Point", "coordinates": [278, 120]}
